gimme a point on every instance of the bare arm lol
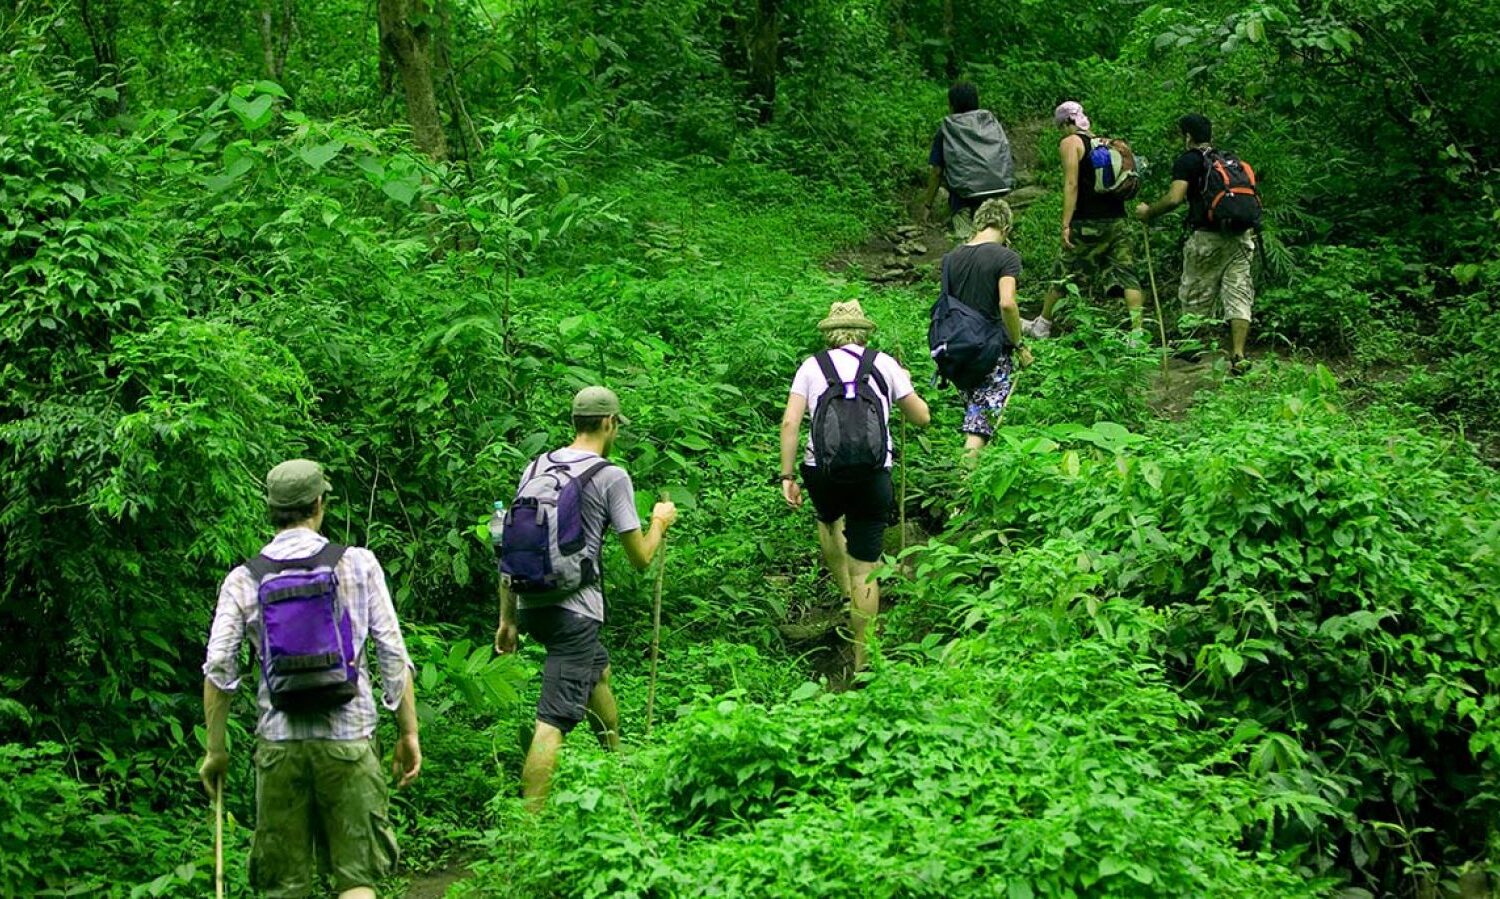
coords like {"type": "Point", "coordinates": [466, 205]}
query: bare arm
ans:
{"type": "Point", "coordinates": [934, 175]}
{"type": "Point", "coordinates": [1175, 196]}
{"type": "Point", "coordinates": [215, 721]}
{"type": "Point", "coordinates": [640, 548]}
{"type": "Point", "coordinates": [791, 424]}
{"type": "Point", "coordinates": [915, 409]}
{"type": "Point", "coordinates": [1070, 153]}
{"type": "Point", "coordinates": [505, 632]}
{"type": "Point", "coordinates": [1010, 318]}
{"type": "Point", "coordinates": [407, 762]}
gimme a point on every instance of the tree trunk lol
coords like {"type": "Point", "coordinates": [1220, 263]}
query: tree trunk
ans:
{"type": "Point", "coordinates": [275, 37]}
{"type": "Point", "coordinates": [101, 22]}
{"type": "Point", "coordinates": [950, 34]}
{"type": "Point", "coordinates": [406, 30]}
{"type": "Point", "coordinates": [765, 50]}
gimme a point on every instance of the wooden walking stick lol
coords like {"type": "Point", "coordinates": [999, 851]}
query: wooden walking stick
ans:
{"type": "Point", "coordinates": [219, 837]}
{"type": "Point", "coordinates": [661, 568]}
{"type": "Point", "coordinates": [1161, 326]}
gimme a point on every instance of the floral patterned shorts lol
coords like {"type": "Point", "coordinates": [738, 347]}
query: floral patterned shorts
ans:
{"type": "Point", "coordinates": [985, 405]}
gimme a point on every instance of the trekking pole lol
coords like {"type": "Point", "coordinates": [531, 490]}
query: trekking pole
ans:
{"type": "Point", "coordinates": [219, 837]}
{"type": "Point", "coordinates": [661, 568]}
{"type": "Point", "coordinates": [1161, 327]}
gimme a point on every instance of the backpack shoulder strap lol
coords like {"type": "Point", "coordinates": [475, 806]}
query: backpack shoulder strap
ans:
{"type": "Point", "coordinates": [588, 475]}
{"type": "Point", "coordinates": [944, 266]}
{"type": "Point", "coordinates": [263, 565]}
{"type": "Point", "coordinates": [259, 566]}
{"type": "Point", "coordinates": [866, 366]}
{"type": "Point", "coordinates": [825, 362]}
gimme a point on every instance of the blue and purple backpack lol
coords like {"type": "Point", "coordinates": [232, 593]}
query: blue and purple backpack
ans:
{"type": "Point", "coordinates": [307, 653]}
{"type": "Point", "coordinates": [542, 544]}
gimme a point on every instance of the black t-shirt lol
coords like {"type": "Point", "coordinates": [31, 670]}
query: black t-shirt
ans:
{"type": "Point", "coordinates": [1190, 167]}
{"type": "Point", "coordinates": [974, 274]}
{"type": "Point", "coordinates": [1093, 206]}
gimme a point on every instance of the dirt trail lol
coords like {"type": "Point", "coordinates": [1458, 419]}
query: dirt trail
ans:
{"type": "Point", "coordinates": [434, 884]}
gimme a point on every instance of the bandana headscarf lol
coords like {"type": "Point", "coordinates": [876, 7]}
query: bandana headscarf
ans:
{"type": "Point", "coordinates": [1071, 112]}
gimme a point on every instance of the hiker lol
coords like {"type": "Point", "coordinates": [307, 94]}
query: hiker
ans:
{"type": "Point", "coordinates": [559, 602]}
{"type": "Point", "coordinates": [847, 391]}
{"type": "Point", "coordinates": [308, 606]}
{"type": "Point", "coordinates": [982, 274]}
{"type": "Point", "coordinates": [1097, 243]}
{"type": "Point", "coordinates": [971, 156]}
{"type": "Point", "coordinates": [1223, 213]}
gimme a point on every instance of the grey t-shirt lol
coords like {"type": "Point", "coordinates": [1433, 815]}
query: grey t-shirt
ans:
{"type": "Point", "coordinates": [608, 499]}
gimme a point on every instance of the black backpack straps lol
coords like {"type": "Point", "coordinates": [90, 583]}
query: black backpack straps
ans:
{"type": "Point", "coordinates": [944, 266]}
{"type": "Point", "coordinates": [329, 555]}
{"type": "Point", "coordinates": [588, 475]}
{"type": "Point", "coordinates": [830, 374]}
{"type": "Point", "coordinates": [259, 566]}
{"type": "Point", "coordinates": [866, 365]}
{"type": "Point", "coordinates": [262, 565]}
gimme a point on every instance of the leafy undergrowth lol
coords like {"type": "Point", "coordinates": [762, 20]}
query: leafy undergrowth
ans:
{"type": "Point", "coordinates": [1003, 768]}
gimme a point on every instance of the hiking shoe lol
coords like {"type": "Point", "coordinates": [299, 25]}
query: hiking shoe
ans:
{"type": "Point", "coordinates": [1036, 328]}
{"type": "Point", "coordinates": [1238, 365]}
{"type": "Point", "coordinates": [1136, 339]}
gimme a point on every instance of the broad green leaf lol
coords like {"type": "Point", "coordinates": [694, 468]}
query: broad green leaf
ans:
{"type": "Point", "coordinates": [321, 154]}
{"type": "Point", "coordinates": [253, 114]}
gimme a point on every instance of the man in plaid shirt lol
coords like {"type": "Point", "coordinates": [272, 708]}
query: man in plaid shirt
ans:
{"type": "Point", "coordinates": [320, 793]}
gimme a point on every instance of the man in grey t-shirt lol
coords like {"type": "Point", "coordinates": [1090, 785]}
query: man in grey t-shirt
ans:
{"type": "Point", "coordinates": [575, 679]}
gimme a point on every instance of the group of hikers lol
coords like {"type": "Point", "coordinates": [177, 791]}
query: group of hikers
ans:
{"type": "Point", "coordinates": [971, 157]}
{"type": "Point", "coordinates": [310, 607]}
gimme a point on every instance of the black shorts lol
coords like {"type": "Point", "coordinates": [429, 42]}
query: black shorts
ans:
{"type": "Point", "coordinates": [865, 506]}
{"type": "Point", "coordinates": [575, 661]}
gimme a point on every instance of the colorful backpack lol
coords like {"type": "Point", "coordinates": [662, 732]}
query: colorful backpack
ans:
{"type": "Point", "coordinates": [850, 434]}
{"type": "Point", "coordinates": [542, 544]}
{"type": "Point", "coordinates": [307, 652]}
{"type": "Point", "coordinates": [1231, 198]}
{"type": "Point", "coordinates": [1115, 172]}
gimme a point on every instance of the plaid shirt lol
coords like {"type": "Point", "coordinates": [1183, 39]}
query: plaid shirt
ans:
{"type": "Point", "coordinates": [362, 588]}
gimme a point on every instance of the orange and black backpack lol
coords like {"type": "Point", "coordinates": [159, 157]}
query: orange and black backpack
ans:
{"type": "Point", "coordinates": [1231, 199]}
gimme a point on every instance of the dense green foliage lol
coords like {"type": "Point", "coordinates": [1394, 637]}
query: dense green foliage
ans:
{"type": "Point", "coordinates": [1247, 652]}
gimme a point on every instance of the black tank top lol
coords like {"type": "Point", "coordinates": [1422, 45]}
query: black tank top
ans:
{"type": "Point", "coordinates": [1092, 206]}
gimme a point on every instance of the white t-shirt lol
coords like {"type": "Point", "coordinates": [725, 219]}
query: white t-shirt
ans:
{"type": "Point", "coordinates": [810, 385]}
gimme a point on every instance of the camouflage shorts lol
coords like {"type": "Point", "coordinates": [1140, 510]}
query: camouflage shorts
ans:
{"type": "Point", "coordinates": [1102, 261]}
{"type": "Point", "coordinates": [1216, 275]}
{"type": "Point", "coordinates": [320, 807]}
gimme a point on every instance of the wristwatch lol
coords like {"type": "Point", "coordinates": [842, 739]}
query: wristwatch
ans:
{"type": "Point", "coordinates": [778, 478]}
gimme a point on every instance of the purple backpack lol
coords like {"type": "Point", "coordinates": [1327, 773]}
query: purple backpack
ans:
{"type": "Point", "coordinates": [306, 636]}
{"type": "Point", "coordinates": [542, 545]}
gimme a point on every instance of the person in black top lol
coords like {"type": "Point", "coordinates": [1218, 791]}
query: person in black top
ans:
{"type": "Point", "coordinates": [982, 274]}
{"type": "Point", "coordinates": [963, 99]}
{"type": "Point", "coordinates": [1098, 252]}
{"type": "Point", "coordinates": [1215, 265]}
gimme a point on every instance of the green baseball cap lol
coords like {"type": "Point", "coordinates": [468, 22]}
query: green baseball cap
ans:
{"type": "Point", "coordinates": [295, 482]}
{"type": "Point", "coordinates": [598, 401]}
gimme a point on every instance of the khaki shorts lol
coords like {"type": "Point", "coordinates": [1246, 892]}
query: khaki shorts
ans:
{"type": "Point", "coordinates": [1102, 261]}
{"type": "Point", "coordinates": [320, 807]}
{"type": "Point", "coordinates": [1216, 275]}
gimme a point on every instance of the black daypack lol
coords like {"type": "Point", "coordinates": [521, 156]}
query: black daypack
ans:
{"type": "Point", "coordinates": [965, 343]}
{"type": "Point", "coordinates": [850, 435]}
{"type": "Point", "coordinates": [1231, 198]}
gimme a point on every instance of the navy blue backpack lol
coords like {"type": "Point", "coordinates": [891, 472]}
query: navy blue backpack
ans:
{"type": "Point", "coordinates": [965, 343]}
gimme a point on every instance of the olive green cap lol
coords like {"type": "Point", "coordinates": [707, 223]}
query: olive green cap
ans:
{"type": "Point", "coordinates": [598, 401]}
{"type": "Point", "coordinates": [295, 482]}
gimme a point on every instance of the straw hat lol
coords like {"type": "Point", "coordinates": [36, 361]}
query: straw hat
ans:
{"type": "Point", "coordinates": [846, 315]}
